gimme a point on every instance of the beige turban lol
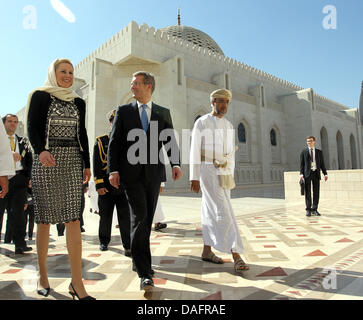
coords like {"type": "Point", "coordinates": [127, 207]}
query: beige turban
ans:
{"type": "Point", "coordinates": [221, 93]}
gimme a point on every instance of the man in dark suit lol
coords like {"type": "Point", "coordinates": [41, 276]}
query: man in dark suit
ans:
{"type": "Point", "coordinates": [311, 162]}
{"type": "Point", "coordinates": [16, 198]}
{"type": "Point", "coordinates": [109, 197]}
{"type": "Point", "coordinates": [139, 166]}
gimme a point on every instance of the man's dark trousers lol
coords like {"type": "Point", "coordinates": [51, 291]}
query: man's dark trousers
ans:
{"type": "Point", "coordinates": [313, 180]}
{"type": "Point", "coordinates": [106, 204]}
{"type": "Point", "coordinates": [143, 198]}
{"type": "Point", "coordinates": [15, 201]}
{"type": "Point", "coordinates": [4, 206]}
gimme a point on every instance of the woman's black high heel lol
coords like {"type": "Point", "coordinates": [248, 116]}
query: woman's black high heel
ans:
{"type": "Point", "coordinates": [74, 294]}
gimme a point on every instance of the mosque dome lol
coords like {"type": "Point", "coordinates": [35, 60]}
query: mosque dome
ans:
{"type": "Point", "coordinates": [195, 36]}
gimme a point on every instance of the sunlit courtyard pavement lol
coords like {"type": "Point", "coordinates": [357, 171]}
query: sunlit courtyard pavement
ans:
{"type": "Point", "coordinates": [290, 256]}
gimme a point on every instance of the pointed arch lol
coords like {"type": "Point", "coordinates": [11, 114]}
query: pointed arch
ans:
{"type": "Point", "coordinates": [353, 152]}
{"type": "Point", "coordinates": [325, 146]}
{"type": "Point", "coordinates": [275, 144]}
{"type": "Point", "coordinates": [244, 141]}
{"type": "Point", "coordinates": [340, 148]}
{"type": "Point", "coordinates": [197, 114]}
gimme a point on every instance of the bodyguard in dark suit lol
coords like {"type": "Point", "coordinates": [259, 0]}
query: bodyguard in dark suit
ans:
{"type": "Point", "coordinates": [109, 197]}
{"type": "Point", "coordinates": [135, 160]}
{"type": "Point", "coordinates": [16, 198]}
{"type": "Point", "coordinates": [311, 162]}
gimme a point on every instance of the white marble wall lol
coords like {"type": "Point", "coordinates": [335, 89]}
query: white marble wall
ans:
{"type": "Point", "coordinates": [341, 185]}
{"type": "Point", "coordinates": [186, 75]}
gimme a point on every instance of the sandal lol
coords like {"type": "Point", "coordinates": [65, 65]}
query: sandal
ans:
{"type": "Point", "coordinates": [213, 258]}
{"type": "Point", "coordinates": [240, 266]}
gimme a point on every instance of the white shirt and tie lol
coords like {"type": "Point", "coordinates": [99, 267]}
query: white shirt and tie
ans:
{"type": "Point", "coordinates": [147, 109]}
{"type": "Point", "coordinates": [18, 165]}
{"type": "Point", "coordinates": [313, 159]}
{"type": "Point", "coordinates": [6, 156]}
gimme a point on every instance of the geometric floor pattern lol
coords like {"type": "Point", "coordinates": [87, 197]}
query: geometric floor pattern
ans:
{"type": "Point", "coordinates": [290, 257]}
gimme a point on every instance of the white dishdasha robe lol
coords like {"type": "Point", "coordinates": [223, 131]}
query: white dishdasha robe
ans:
{"type": "Point", "coordinates": [219, 226]}
{"type": "Point", "coordinates": [159, 214]}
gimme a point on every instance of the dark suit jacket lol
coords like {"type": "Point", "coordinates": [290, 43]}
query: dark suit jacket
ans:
{"type": "Point", "coordinates": [26, 155]}
{"type": "Point", "coordinates": [305, 162]}
{"type": "Point", "coordinates": [151, 169]}
{"type": "Point", "coordinates": [37, 118]}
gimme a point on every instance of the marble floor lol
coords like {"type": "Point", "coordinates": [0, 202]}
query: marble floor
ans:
{"type": "Point", "coordinates": [290, 256]}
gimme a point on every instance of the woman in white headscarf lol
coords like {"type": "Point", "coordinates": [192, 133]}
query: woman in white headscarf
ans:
{"type": "Point", "coordinates": [57, 132]}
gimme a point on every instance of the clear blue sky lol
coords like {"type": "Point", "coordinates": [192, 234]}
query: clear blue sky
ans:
{"type": "Point", "coordinates": [283, 37]}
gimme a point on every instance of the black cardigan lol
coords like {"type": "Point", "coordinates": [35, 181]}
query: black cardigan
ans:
{"type": "Point", "coordinates": [37, 118]}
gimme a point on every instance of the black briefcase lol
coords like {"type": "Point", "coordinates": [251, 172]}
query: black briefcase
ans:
{"type": "Point", "coordinates": [302, 186]}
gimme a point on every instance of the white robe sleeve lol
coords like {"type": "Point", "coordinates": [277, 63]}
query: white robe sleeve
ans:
{"type": "Point", "coordinates": [6, 157]}
{"type": "Point", "coordinates": [231, 148]}
{"type": "Point", "coordinates": [195, 152]}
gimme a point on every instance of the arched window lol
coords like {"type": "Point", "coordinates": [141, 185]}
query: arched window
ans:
{"type": "Point", "coordinates": [273, 137]}
{"type": "Point", "coordinates": [353, 152]}
{"type": "Point", "coordinates": [325, 146]}
{"type": "Point", "coordinates": [196, 118]}
{"type": "Point", "coordinates": [340, 146]}
{"type": "Point", "coordinates": [242, 133]}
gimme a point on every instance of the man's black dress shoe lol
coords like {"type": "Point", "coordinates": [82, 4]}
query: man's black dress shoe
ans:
{"type": "Point", "coordinates": [103, 247]}
{"type": "Point", "coordinates": [146, 283]}
{"type": "Point", "coordinates": [21, 250]}
{"type": "Point", "coordinates": [159, 226]}
{"type": "Point", "coordinates": [308, 213]}
{"type": "Point", "coordinates": [316, 213]}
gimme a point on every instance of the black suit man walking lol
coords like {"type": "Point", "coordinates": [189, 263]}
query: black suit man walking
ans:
{"type": "Point", "coordinates": [311, 162]}
{"type": "Point", "coordinates": [139, 166]}
{"type": "Point", "coordinates": [16, 199]}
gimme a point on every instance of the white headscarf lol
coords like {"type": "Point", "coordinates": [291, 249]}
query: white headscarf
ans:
{"type": "Point", "coordinates": [51, 86]}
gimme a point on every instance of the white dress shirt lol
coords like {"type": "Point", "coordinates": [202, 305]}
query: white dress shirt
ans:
{"type": "Point", "coordinates": [313, 163]}
{"type": "Point", "coordinates": [148, 109]}
{"type": "Point", "coordinates": [6, 156]}
{"type": "Point", "coordinates": [18, 163]}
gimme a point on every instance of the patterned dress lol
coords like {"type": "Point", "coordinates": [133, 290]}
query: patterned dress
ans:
{"type": "Point", "coordinates": [57, 191]}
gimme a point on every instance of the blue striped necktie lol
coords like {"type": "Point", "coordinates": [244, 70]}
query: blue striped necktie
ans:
{"type": "Point", "coordinates": [144, 119]}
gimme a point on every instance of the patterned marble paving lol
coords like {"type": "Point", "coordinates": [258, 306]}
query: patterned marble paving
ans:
{"type": "Point", "coordinates": [290, 257]}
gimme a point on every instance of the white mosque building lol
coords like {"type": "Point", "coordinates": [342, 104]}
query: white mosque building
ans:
{"type": "Point", "coordinates": [272, 117]}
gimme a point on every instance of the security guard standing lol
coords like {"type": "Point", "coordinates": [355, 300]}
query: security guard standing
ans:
{"type": "Point", "coordinates": [109, 197]}
{"type": "Point", "coordinates": [15, 200]}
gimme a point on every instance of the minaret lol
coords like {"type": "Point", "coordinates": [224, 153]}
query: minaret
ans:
{"type": "Point", "coordinates": [361, 106]}
{"type": "Point", "coordinates": [179, 24]}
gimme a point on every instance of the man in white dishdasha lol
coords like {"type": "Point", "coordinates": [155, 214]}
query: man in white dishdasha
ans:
{"type": "Point", "coordinates": [211, 171]}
